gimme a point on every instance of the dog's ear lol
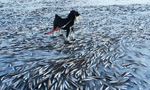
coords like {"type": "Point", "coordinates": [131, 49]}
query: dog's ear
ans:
{"type": "Point", "coordinates": [72, 11]}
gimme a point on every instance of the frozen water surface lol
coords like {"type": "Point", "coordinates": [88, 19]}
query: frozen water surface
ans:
{"type": "Point", "coordinates": [111, 50]}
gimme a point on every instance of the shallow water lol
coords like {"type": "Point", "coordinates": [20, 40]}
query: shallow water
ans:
{"type": "Point", "coordinates": [111, 50]}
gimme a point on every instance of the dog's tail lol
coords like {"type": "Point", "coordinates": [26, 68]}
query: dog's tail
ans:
{"type": "Point", "coordinates": [57, 18]}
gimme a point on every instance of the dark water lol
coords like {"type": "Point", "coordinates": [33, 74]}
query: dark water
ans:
{"type": "Point", "coordinates": [111, 50]}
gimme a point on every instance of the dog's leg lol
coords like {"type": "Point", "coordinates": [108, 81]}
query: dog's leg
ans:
{"type": "Point", "coordinates": [73, 35]}
{"type": "Point", "coordinates": [67, 35]}
{"type": "Point", "coordinates": [72, 29]}
{"type": "Point", "coordinates": [60, 33]}
{"type": "Point", "coordinates": [54, 33]}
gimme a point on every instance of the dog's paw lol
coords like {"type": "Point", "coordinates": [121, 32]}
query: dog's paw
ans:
{"type": "Point", "coordinates": [61, 35]}
{"type": "Point", "coordinates": [73, 39]}
{"type": "Point", "coordinates": [53, 36]}
{"type": "Point", "coordinates": [67, 42]}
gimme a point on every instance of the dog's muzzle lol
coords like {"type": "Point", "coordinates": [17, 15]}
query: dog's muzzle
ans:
{"type": "Point", "coordinates": [78, 18]}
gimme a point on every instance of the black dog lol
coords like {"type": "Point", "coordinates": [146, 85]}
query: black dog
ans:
{"type": "Point", "coordinates": [66, 23]}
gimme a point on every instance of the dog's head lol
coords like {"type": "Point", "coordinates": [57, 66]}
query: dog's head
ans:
{"type": "Point", "coordinates": [74, 15]}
